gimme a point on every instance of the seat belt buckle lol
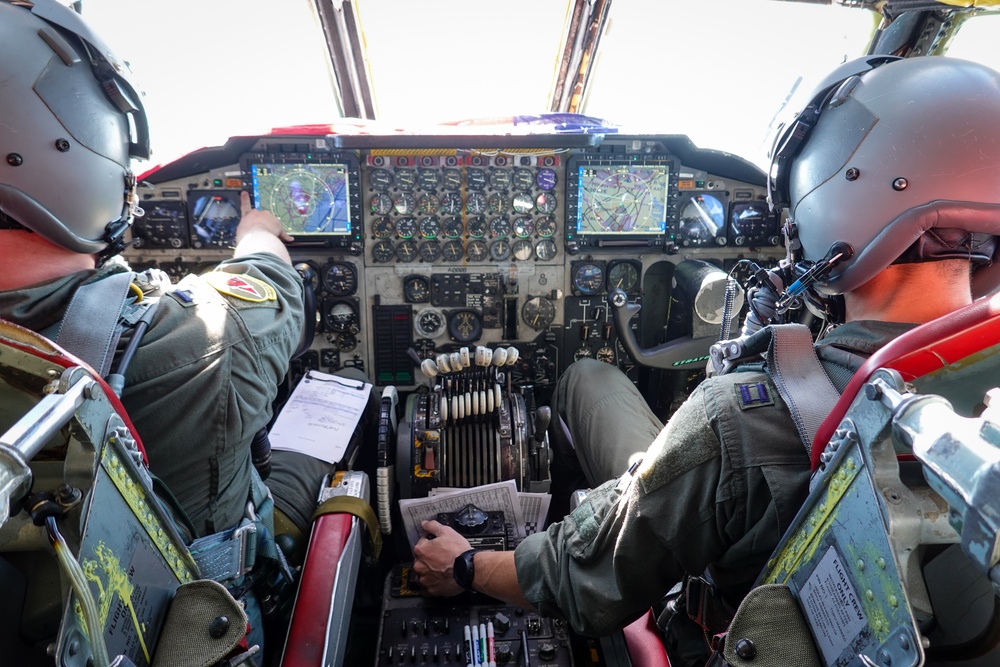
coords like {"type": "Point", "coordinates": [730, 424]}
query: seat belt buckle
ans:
{"type": "Point", "coordinates": [245, 535]}
{"type": "Point", "coordinates": [705, 606]}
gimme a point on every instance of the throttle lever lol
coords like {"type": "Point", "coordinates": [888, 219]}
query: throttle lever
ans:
{"type": "Point", "coordinates": [677, 354]}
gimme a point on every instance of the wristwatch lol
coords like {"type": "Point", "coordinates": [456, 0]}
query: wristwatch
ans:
{"type": "Point", "coordinates": [464, 570]}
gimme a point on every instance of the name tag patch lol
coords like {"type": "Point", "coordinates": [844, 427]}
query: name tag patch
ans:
{"type": "Point", "coordinates": [753, 395]}
{"type": "Point", "coordinates": [241, 286]}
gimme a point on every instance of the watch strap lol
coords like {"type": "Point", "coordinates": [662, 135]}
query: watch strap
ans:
{"type": "Point", "coordinates": [464, 569]}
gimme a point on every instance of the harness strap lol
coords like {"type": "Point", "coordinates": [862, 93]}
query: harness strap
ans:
{"type": "Point", "coordinates": [360, 508]}
{"type": "Point", "coordinates": [229, 554]}
{"type": "Point", "coordinates": [800, 378]}
{"type": "Point", "coordinates": [90, 328]}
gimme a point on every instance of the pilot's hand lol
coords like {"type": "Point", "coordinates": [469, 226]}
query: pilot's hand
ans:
{"type": "Point", "coordinates": [255, 219]}
{"type": "Point", "coordinates": [434, 555]}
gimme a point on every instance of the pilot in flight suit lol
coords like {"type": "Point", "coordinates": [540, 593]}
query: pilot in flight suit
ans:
{"type": "Point", "coordinates": [724, 478]}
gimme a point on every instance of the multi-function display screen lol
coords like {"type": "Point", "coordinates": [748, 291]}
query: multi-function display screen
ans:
{"type": "Point", "coordinates": [308, 198]}
{"type": "Point", "coordinates": [622, 199]}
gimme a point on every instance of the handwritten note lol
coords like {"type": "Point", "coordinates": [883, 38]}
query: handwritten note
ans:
{"type": "Point", "coordinates": [320, 416]}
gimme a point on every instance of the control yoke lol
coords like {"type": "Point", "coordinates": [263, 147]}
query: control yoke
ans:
{"type": "Point", "coordinates": [677, 354]}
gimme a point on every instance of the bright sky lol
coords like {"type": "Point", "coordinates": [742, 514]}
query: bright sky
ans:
{"type": "Point", "coordinates": [219, 68]}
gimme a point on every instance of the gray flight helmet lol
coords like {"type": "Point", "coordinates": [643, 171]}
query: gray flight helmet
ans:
{"type": "Point", "coordinates": [72, 119]}
{"type": "Point", "coordinates": [899, 159]}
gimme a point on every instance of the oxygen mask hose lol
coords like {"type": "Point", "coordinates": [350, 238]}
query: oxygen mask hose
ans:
{"type": "Point", "coordinates": [74, 573]}
{"type": "Point", "coordinates": [839, 252]}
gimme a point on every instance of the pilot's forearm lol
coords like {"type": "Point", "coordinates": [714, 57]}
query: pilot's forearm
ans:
{"type": "Point", "coordinates": [261, 240]}
{"type": "Point", "coordinates": [496, 576]}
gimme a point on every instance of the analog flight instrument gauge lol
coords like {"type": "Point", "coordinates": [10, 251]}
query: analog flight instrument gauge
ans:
{"type": "Point", "coordinates": [453, 251]}
{"type": "Point", "coordinates": [406, 251]}
{"type": "Point", "coordinates": [545, 250]}
{"type": "Point", "coordinates": [588, 278]}
{"type": "Point", "coordinates": [429, 323]}
{"type": "Point", "coordinates": [465, 326]}
{"type": "Point", "coordinates": [428, 179]}
{"type": "Point", "coordinates": [477, 250]}
{"type": "Point", "coordinates": [605, 353]}
{"type": "Point", "coordinates": [383, 252]}
{"type": "Point", "coordinates": [500, 179]}
{"type": "Point", "coordinates": [523, 226]}
{"type": "Point", "coordinates": [522, 250]}
{"type": "Point", "coordinates": [380, 179]}
{"type": "Point", "coordinates": [427, 204]}
{"type": "Point", "coordinates": [497, 203]}
{"type": "Point", "coordinates": [452, 227]}
{"type": "Point", "coordinates": [523, 202]}
{"type": "Point", "coordinates": [546, 202]}
{"type": "Point", "coordinates": [500, 226]}
{"type": "Point", "coordinates": [430, 251]}
{"type": "Point", "coordinates": [752, 224]}
{"type": "Point", "coordinates": [538, 312]}
{"type": "Point", "coordinates": [546, 226]}
{"type": "Point", "coordinates": [381, 204]}
{"type": "Point", "coordinates": [341, 316]}
{"type": "Point", "coordinates": [500, 250]}
{"type": "Point", "coordinates": [404, 203]}
{"type": "Point", "coordinates": [523, 178]}
{"type": "Point", "coordinates": [383, 227]}
{"type": "Point", "coordinates": [546, 179]}
{"type": "Point", "coordinates": [702, 221]}
{"type": "Point", "coordinates": [451, 203]}
{"type": "Point", "coordinates": [475, 203]}
{"type": "Point", "coordinates": [405, 179]}
{"type": "Point", "coordinates": [477, 226]}
{"type": "Point", "coordinates": [429, 227]}
{"type": "Point", "coordinates": [624, 274]}
{"type": "Point", "coordinates": [416, 289]}
{"type": "Point", "coordinates": [406, 227]}
{"type": "Point", "coordinates": [340, 279]}
{"type": "Point", "coordinates": [451, 179]}
{"type": "Point", "coordinates": [475, 178]}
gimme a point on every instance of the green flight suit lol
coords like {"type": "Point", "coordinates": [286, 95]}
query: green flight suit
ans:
{"type": "Point", "coordinates": [203, 378]}
{"type": "Point", "coordinates": [716, 489]}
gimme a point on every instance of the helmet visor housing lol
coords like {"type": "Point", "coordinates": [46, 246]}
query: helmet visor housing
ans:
{"type": "Point", "coordinates": [72, 122]}
{"type": "Point", "coordinates": [905, 147]}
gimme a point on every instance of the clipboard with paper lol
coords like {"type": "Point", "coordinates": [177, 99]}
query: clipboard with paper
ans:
{"type": "Point", "coordinates": [320, 416]}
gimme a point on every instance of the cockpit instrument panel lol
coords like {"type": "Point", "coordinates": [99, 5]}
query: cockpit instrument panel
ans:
{"type": "Point", "coordinates": [417, 245]}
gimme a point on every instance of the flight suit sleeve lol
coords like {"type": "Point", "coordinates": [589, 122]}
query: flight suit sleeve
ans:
{"type": "Point", "coordinates": [715, 490]}
{"type": "Point", "coordinates": [633, 538]}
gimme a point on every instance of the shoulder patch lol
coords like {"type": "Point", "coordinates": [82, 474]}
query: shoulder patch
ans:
{"type": "Point", "coordinates": [241, 286]}
{"type": "Point", "coordinates": [753, 395]}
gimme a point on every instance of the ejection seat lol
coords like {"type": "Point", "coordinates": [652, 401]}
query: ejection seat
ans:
{"type": "Point", "coordinates": [91, 565]}
{"type": "Point", "coordinates": [903, 479]}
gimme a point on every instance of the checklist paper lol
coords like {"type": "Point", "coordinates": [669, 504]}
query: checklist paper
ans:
{"type": "Point", "coordinates": [320, 416]}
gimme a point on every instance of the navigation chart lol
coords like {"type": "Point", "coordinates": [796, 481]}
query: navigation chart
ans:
{"type": "Point", "coordinates": [307, 198]}
{"type": "Point", "coordinates": [623, 199]}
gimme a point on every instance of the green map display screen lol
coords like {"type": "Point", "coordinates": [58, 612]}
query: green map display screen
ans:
{"type": "Point", "coordinates": [622, 199]}
{"type": "Point", "coordinates": [308, 198]}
